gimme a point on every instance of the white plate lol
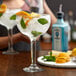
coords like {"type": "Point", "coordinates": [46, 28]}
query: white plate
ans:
{"type": "Point", "coordinates": [69, 64]}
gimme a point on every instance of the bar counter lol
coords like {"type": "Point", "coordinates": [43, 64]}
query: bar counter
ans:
{"type": "Point", "coordinates": [12, 65]}
{"type": "Point", "coordinates": [48, 46]}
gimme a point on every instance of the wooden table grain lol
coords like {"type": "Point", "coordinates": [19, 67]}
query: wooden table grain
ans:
{"type": "Point", "coordinates": [48, 46]}
{"type": "Point", "coordinates": [12, 65]}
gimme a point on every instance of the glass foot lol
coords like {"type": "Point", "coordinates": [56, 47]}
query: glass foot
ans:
{"type": "Point", "coordinates": [10, 52]}
{"type": "Point", "coordinates": [33, 68]}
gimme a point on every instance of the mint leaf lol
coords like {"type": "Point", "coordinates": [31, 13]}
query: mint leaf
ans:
{"type": "Point", "coordinates": [35, 33]}
{"type": "Point", "coordinates": [1, 14]}
{"type": "Point", "coordinates": [22, 23]}
{"type": "Point", "coordinates": [42, 21]}
{"type": "Point", "coordinates": [50, 53]}
{"type": "Point", "coordinates": [53, 58]}
{"type": "Point", "coordinates": [13, 17]}
{"type": "Point", "coordinates": [49, 58]}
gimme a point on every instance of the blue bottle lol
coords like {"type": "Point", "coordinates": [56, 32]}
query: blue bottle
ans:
{"type": "Point", "coordinates": [60, 33]}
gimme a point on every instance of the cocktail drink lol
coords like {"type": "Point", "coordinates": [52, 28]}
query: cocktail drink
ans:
{"type": "Point", "coordinates": [5, 20]}
{"type": "Point", "coordinates": [32, 25]}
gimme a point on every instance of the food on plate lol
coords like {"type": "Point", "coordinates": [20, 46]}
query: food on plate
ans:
{"type": "Point", "coordinates": [49, 58]}
{"type": "Point", "coordinates": [69, 53]}
{"type": "Point", "coordinates": [73, 52]}
{"type": "Point", "coordinates": [60, 60]}
{"type": "Point", "coordinates": [63, 58]}
{"type": "Point", "coordinates": [59, 57]}
{"type": "Point", "coordinates": [65, 55]}
{"type": "Point", "coordinates": [56, 53]}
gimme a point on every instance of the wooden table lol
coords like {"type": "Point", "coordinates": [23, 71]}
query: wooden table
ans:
{"type": "Point", "coordinates": [12, 65]}
{"type": "Point", "coordinates": [49, 45]}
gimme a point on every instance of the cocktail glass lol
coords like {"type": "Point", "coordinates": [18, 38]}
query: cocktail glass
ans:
{"type": "Point", "coordinates": [34, 26]}
{"type": "Point", "coordinates": [9, 24]}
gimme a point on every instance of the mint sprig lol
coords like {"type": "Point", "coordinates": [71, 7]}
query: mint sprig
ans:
{"type": "Point", "coordinates": [50, 53]}
{"type": "Point", "coordinates": [23, 25]}
{"type": "Point", "coordinates": [49, 58]}
{"type": "Point", "coordinates": [42, 21]}
{"type": "Point", "coordinates": [13, 17]}
{"type": "Point", "coordinates": [36, 33]}
{"type": "Point", "coordinates": [1, 14]}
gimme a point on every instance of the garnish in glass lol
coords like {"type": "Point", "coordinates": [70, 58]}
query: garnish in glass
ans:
{"type": "Point", "coordinates": [13, 17]}
{"type": "Point", "coordinates": [36, 33]}
{"type": "Point", "coordinates": [42, 21]}
{"type": "Point", "coordinates": [23, 25]}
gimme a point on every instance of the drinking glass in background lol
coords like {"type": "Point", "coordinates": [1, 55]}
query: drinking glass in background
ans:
{"type": "Point", "coordinates": [9, 24]}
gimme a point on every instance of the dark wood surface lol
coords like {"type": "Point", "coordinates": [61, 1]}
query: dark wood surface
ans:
{"type": "Point", "coordinates": [48, 46]}
{"type": "Point", "coordinates": [12, 65]}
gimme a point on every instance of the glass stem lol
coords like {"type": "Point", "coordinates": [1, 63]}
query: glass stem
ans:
{"type": "Point", "coordinates": [33, 52]}
{"type": "Point", "coordinates": [10, 43]}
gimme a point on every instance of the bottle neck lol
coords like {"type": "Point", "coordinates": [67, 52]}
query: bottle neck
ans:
{"type": "Point", "coordinates": [60, 20]}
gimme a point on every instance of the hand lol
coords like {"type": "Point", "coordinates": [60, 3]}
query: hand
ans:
{"type": "Point", "coordinates": [24, 38]}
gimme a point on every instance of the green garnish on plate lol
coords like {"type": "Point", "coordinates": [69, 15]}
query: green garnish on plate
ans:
{"type": "Point", "coordinates": [49, 58]}
{"type": "Point", "coordinates": [36, 33]}
{"type": "Point", "coordinates": [13, 17]}
{"type": "Point", "coordinates": [1, 14]}
{"type": "Point", "coordinates": [42, 21]}
{"type": "Point", "coordinates": [23, 25]}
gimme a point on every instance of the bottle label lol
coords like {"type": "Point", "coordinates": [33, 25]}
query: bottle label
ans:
{"type": "Point", "coordinates": [57, 39]}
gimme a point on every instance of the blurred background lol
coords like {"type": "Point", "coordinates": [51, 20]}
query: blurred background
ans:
{"type": "Point", "coordinates": [69, 14]}
{"type": "Point", "coordinates": [67, 5]}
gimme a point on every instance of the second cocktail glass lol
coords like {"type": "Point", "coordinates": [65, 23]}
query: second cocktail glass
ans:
{"type": "Point", "coordinates": [9, 24]}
